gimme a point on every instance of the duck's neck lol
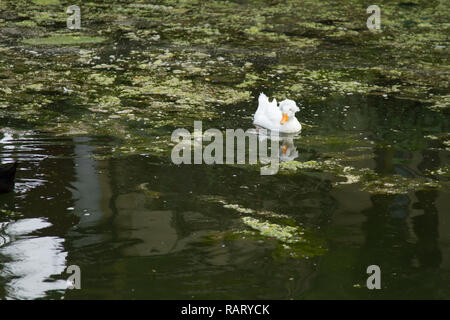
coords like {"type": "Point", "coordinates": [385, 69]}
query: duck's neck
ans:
{"type": "Point", "coordinates": [290, 121]}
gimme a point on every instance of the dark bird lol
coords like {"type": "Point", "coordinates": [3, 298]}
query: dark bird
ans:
{"type": "Point", "coordinates": [7, 177]}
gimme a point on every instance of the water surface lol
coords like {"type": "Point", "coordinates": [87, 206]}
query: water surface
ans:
{"type": "Point", "coordinates": [139, 226]}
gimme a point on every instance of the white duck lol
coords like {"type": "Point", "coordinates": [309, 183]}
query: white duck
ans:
{"type": "Point", "coordinates": [281, 119]}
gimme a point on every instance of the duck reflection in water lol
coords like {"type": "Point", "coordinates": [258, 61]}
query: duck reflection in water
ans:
{"type": "Point", "coordinates": [287, 149]}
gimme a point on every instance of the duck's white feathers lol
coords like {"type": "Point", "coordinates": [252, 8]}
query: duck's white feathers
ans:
{"type": "Point", "coordinates": [268, 115]}
{"type": "Point", "coordinates": [267, 112]}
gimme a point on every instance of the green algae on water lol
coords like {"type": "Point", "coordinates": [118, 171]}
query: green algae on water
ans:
{"type": "Point", "coordinates": [46, 2]}
{"type": "Point", "coordinates": [286, 234]}
{"type": "Point", "coordinates": [64, 40]}
{"type": "Point", "coordinates": [293, 241]}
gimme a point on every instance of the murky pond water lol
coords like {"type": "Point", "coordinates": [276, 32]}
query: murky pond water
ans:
{"type": "Point", "coordinates": [142, 227]}
{"type": "Point", "coordinates": [89, 113]}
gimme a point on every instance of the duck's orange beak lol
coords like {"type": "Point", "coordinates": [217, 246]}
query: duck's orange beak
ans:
{"type": "Point", "coordinates": [284, 119]}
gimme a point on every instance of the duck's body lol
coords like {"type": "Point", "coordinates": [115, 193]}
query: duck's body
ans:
{"type": "Point", "coordinates": [7, 177]}
{"type": "Point", "coordinates": [281, 119]}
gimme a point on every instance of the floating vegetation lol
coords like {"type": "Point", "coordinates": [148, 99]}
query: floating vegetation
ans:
{"type": "Point", "coordinates": [9, 213]}
{"type": "Point", "coordinates": [396, 184]}
{"type": "Point", "coordinates": [295, 165]}
{"type": "Point", "coordinates": [199, 70]}
{"type": "Point", "coordinates": [443, 172]}
{"type": "Point", "coordinates": [46, 2]}
{"type": "Point", "coordinates": [440, 103]}
{"type": "Point", "coordinates": [64, 40]}
{"type": "Point", "coordinates": [102, 79]}
{"type": "Point", "coordinates": [151, 193]}
{"type": "Point", "coordinates": [137, 71]}
{"type": "Point", "coordinates": [286, 234]}
{"type": "Point", "coordinates": [239, 209]}
{"type": "Point", "coordinates": [369, 180]}
{"type": "Point", "coordinates": [351, 178]}
{"type": "Point", "coordinates": [243, 210]}
{"type": "Point", "coordinates": [293, 242]}
{"type": "Point", "coordinates": [330, 81]}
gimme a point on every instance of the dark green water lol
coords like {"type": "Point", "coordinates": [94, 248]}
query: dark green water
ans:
{"type": "Point", "coordinates": [88, 114]}
{"type": "Point", "coordinates": [72, 208]}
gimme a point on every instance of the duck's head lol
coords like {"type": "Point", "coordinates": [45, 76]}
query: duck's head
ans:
{"type": "Point", "coordinates": [288, 109]}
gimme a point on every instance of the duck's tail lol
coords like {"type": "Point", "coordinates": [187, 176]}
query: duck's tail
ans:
{"type": "Point", "coordinates": [263, 101]}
